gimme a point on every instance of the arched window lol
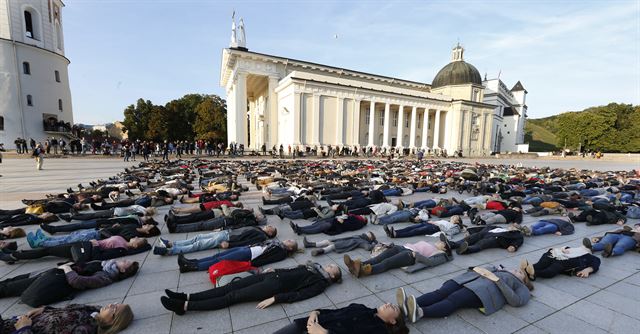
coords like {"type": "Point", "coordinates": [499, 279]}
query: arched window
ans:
{"type": "Point", "coordinates": [60, 105]}
{"type": "Point", "coordinates": [29, 100]}
{"type": "Point", "coordinates": [57, 75]}
{"type": "Point", "coordinates": [26, 67]}
{"type": "Point", "coordinates": [28, 24]}
{"type": "Point", "coordinates": [31, 23]}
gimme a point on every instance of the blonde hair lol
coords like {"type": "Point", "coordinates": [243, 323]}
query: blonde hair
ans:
{"type": "Point", "coordinates": [121, 321]}
{"type": "Point", "coordinates": [150, 211]}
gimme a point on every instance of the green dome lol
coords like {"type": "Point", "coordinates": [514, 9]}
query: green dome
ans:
{"type": "Point", "coordinates": [457, 73]}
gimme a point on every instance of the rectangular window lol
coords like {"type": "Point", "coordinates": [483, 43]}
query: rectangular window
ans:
{"type": "Point", "coordinates": [367, 118]}
{"type": "Point", "coordinates": [26, 68]}
{"type": "Point", "coordinates": [381, 119]}
{"type": "Point", "coordinates": [57, 75]}
{"type": "Point", "coordinates": [60, 105]}
{"type": "Point", "coordinates": [395, 119]}
{"type": "Point", "coordinates": [406, 120]}
{"type": "Point", "coordinates": [29, 100]}
{"type": "Point", "coordinates": [1, 123]}
{"type": "Point", "coordinates": [419, 120]}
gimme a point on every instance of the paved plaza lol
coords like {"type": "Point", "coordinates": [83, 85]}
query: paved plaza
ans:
{"type": "Point", "coordinates": [607, 302]}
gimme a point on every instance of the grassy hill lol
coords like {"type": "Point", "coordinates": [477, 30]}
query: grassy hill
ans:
{"type": "Point", "coordinates": [539, 135]}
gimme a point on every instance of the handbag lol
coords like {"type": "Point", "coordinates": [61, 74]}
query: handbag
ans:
{"type": "Point", "coordinates": [35, 209]}
{"type": "Point", "coordinates": [82, 252]}
{"type": "Point", "coordinates": [227, 267]}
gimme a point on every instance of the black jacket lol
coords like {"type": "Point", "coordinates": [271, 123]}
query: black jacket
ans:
{"type": "Point", "coordinates": [299, 284]}
{"type": "Point", "coordinates": [353, 319]}
{"type": "Point", "coordinates": [272, 254]}
{"type": "Point", "coordinates": [246, 236]}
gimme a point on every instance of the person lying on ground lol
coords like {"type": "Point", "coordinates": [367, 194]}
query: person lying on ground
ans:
{"type": "Point", "coordinates": [486, 289]}
{"type": "Point", "coordinates": [354, 319]}
{"type": "Point", "coordinates": [132, 220]}
{"type": "Point", "coordinates": [507, 216]}
{"type": "Point", "coordinates": [599, 217]}
{"type": "Point", "coordinates": [133, 234]}
{"type": "Point", "coordinates": [221, 239]}
{"type": "Point", "coordinates": [509, 238]}
{"type": "Point", "coordinates": [365, 241]}
{"type": "Point", "coordinates": [301, 203]}
{"type": "Point", "coordinates": [11, 233]}
{"type": "Point", "coordinates": [428, 227]}
{"type": "Point", "coordinates": [570, 261]}
{"type": "Point", "coordinates": [331, 226]}
{"type": "Point", "coordinates": [57, 284]}
{"type": "Point", "coordinates": [258, 255]}
{"type": "Point", "coordinates": [557, 226]}
{"type": "Point", "coordinates": [74, 318]}
{"type": "Point", "coordinates": [269, 287]}
{"type": "Point", "coordinates": [416, 256]}
{"type": "Point", "coordinates": [206, 206]}
{"type": "Point", "coordinates": [616, 242]}
{"type": "Point", "coordinates": [137, 210]}
{"type": "Point", "coordinates": [235, 219]}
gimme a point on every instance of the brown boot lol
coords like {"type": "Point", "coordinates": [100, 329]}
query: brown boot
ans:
{"type": "Point", "coordinates": [365, 270]}
{"type": "Point", "coordinates": [353, 266]}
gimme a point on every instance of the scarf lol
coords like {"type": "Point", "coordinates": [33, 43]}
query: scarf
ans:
{"type": "Point", "coordinates": [111, 268]}
{"type": "Point", "coordinates": [568, 253]}
{"type": "Point", "coordinates": [316, 268]}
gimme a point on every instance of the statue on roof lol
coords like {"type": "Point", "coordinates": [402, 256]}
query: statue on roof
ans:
{"type": "Point", "coordinates": [242, 39]}
{"type": "Point", "coordinates": [234, 41]}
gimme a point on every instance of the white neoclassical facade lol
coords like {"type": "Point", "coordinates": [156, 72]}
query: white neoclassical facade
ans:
{"type": "Point", "coordinates": [275, 100]}
{"type": "Point", "coordinates": [34, 83]}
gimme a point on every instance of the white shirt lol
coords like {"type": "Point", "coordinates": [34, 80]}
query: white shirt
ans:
{"type": "Point", "coordinates": [129, 210]}
{"type": "Point", "coordinates": [383, 208]}
{"type": "Point", "coordinates": [256, 251]}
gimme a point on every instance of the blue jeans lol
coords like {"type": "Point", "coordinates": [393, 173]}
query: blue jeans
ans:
{"type": "Point", "coordinates": [543, 227]}
{"type": "Point", "coordinates": [396, 217]}
{"type": "Point", "coordinates": [82, 235]}
{"type": "Point", "coordinates": [417, 229]}
{"type": "Point", "coordinates": [317, 227]}
{"type": "Point", "coordinates": [426, 204]}
{"type": "Point", "coordinates": [535, 200]}
{"type": "Point", "coordinates": [199, 242]}
{"type": "Point", "coordinates": [392, 192]}
{"type": "Point", "coordinates": [234, 254]}
{"type": "Point", "coordinates": [620, 242]}
{"type": "Point", "coordinates": [422, 190]}
{"type": "Point", "coordinates": [143, 201]}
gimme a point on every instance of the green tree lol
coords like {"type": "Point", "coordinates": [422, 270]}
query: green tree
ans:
{"type": "Point", "coordinates": [211, 119]}
{"type": "Point", "coordinates": [159, 124]}
{"type": "Point", "coordinates": [136, 119]}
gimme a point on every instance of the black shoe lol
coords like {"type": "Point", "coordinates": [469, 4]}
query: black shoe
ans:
{"type": "Point", "coordinates": [280, 215]}
{"type": "Point", "coordinates": [186, 265]}
{"type": "Point", "coordinates": [387, 230]}
{"type": "Point", "coordinates": [608, 250]}
{"type": "Point", "coordinates": [8, 258]}
{"type": "Point", "coordinates": [294, 227]}
{"type": "Point", "coordinates": [308, 244]}
{"type": "Point", "coordinates": [176, 295]}
{"type": "Point", "coordinates": [463, 248]}
{"type": "Point", "coordinates": [472, 213]}
{"type": "Point", "coordinates": [10, 247]}
{"type": "Point", "coordinates": [64, 217]}
{"type": "Point", "coordinates": [47, 228]}
{"type": "Point", "coordinates": [447, 245]}
{"type": "Point", "coordinates": [174, 305]}
{"type": "Point", "coordinates": [587, 243]}
{"type": "Point", "coordinates": [171, 226]}
{"type": "Point", "coordinates": [316, 252]}
{"type": "Point", "coordinates": [69, 190]}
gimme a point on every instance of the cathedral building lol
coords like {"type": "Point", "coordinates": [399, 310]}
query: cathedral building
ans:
{"type": "Point", "coordinates": [275, 100]}
{"type": "Point", "coordinates": [35, 99]}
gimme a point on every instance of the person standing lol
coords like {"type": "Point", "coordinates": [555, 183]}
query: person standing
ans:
{"type": "Point", "coordinates": [38, 154]}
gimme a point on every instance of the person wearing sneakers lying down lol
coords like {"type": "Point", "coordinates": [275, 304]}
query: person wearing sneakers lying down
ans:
{"type": "Point", "coordinates": [616, 242]}
{"type": "Point", "coordinates": [486, 289]}
{"type": "Point", "coordinates": [365, 241]}
{"type": "Point", "coordinates": [570, 261]}
{"type": "Point", "coordinates": [417, 256]}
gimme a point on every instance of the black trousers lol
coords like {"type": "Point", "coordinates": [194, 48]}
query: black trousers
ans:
{"type": "Point", "coordinates": [15, 286]}
{"type": "Point", "coordinates": [361, 211]}
{"type": "Point", "coordinates": [479, 241]}
{"type": "Point", "coordinates": [252, 288]}
{"type": "Point", "coordinates": [548, 267]}
{"type": "Point", "coordinates": [119, 204]}
{"type": "Point", "coordinates": [63, 251]}
{"type": "Point", "coordinates": [283, 200]}
{"type": "Point", "coordinates": [193, 218]}
{"type": "Point", "coordinates": [92, 215]}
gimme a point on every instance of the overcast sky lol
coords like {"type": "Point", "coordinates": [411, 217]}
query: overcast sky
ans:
{"type": "Point", "coordinates": [569, 55]}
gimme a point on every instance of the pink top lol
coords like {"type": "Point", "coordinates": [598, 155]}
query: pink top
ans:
{"type": "Point", "coordinates": [422, 247]}
{"type": "Point", "coordinates": [113, 242]}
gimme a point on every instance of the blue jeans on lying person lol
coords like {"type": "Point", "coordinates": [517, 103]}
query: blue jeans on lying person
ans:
{"type": "Point", "coordinates": [199, 242]}
{"type": "Point", "coordinates": [298, 214]}
{"type": "Point", "coordinates": [82, 235]}
{"type": "Point", "coordinates": [425, 204]}
{"type": "Point", "coordinates": [533, 200]}
{"type": "Point", "coordinates": [392, 192]}
{"type": "Point", "coordinates": [234, 254]}
{"type": "Point", "coordinates": [422, 190]}
{"type": "Point", "coordinates": [620, 242]}
{"type": "Point", "coordinates": [543, 227]}
{"type": "Point", "coordinates": [396, 217]}
{"type": "Point", "coordinates": [417, 229]}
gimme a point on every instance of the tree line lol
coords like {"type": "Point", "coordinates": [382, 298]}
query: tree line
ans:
{"type": "Point", "coordinates": [611, 128]}
{"type": "Point", "coordinates": [193, 116]}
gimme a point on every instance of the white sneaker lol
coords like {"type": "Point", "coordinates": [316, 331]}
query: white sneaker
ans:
{"type": "Point", "coordinates": [412, 307]}
{"type": "Point", "coordinates": [401, 299]}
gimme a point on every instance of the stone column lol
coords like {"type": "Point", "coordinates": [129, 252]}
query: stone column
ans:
{"type": "Point", "coordinates": [436, 130]}
{"type": "Point", "coordinates": [240, 98]}
{"type": "Point", "coordinates": [385, 130]}
{"type": "Point", "coordinates": [412, 126]}
{"type": "Point", "coordinates": [355, 136]}
{"type": "Point", "coordinates": [372, 124]}
{"type": "Point", "coordinates": [340, 124]}
{"type": "Point", "coordinates": [425, 128]}
{"type": "Point", "coordinates": [314, 123]}
{"type": "Point", "coordinates": [296, 119]}
{"type": "Point", "coordinates": [462, 130]}
{"type": "Point", "coordinates": [271, 115]}
{"type": "Point", "coordinates": [400, 132]}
